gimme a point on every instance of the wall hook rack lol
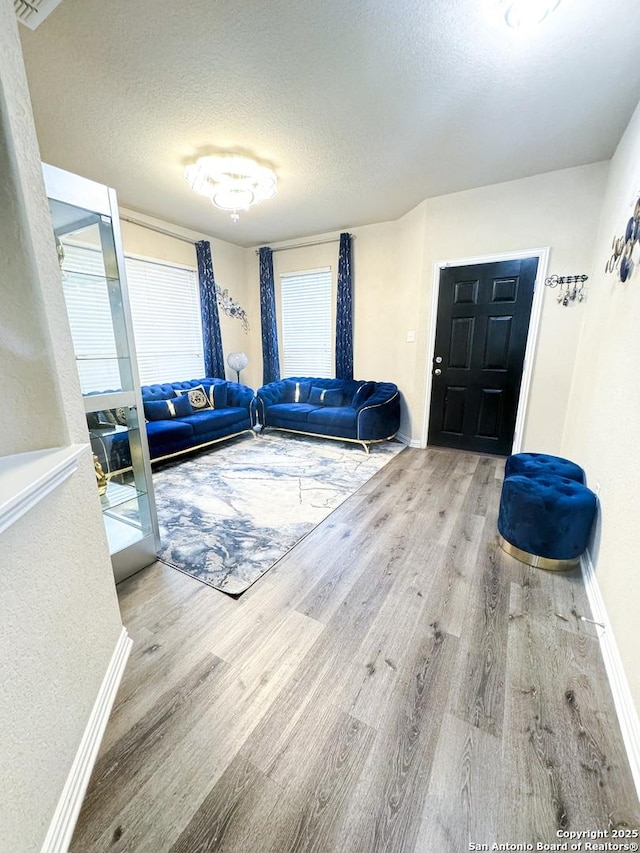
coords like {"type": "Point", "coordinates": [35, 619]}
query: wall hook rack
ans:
{"type": "Point", "coordinates": [571, 287]}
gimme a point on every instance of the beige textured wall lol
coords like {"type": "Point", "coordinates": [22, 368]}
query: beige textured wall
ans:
{"type": "Point", "coordinates": [559, 210]}
{"type": "Point", "coordinates": [388, 272]}
{"type": "Point", "coordinates": [387, 266]}
{"type": "Point", "coordinates": [59, 617]}
{"type": "Point", "coordinates": [603, 424]}
{"type": "Point", "coordinates": [393, 264]}
{"type": "Point", "coordinates": [393, 267]}
{"type": "Point", "coordinates": [25, 343]}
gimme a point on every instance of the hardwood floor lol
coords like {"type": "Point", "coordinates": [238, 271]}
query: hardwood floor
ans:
{"type": "Point", "coordinates": [396, 683]}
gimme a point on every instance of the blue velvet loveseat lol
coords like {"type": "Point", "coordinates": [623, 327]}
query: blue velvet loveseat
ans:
{"type": "Point", "coordinates": [184, 415]}
{"type": "Point", "coordinates": [345, 409]}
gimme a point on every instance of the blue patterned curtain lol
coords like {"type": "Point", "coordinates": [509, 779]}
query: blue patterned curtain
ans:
{"type": "Point", "coordinates": [211, 335]}
{"type": "Point", "coordinates": [344, 311]}
{"type": "Point", "coordinates": [270, 357]}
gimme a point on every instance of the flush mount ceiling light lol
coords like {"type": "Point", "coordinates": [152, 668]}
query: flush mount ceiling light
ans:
{"type": "Point", "coordinates": [232, 183]}
{"type": "Point", "coordinates": [528, 13]}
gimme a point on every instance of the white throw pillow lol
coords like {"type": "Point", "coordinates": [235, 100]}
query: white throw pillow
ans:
{"type": "Point", "coordinates": [198, 397]}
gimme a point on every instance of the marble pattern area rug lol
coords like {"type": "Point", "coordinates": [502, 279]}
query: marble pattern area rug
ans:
{"type": "Point", "coordinates": [228, 515]}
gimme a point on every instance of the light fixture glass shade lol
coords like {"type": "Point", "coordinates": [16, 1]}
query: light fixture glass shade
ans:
{"type": "Point", "coordinates": [527, 13]}
{"type": "Point", "coordinates": [233, 198]}
{"type": "Point", "coordinates": [237, 361]}
{"type": "Point", "coordinates": [231, 182]}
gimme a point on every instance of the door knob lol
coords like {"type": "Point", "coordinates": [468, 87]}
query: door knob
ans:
{"type": "Point", "coordinates": [438, 359]}
{"type": "Point", "coordinates": [437, 371]}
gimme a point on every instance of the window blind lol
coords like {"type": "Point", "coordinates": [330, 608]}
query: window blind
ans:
{"type": "Point", "coordinates": [307, 333]}
{"type": "Point", "coordinates": [165, 308]}
{"type": "Point", "coordinates": [86, 294]}
{"type": "Point", "coordinates": [165, 311]}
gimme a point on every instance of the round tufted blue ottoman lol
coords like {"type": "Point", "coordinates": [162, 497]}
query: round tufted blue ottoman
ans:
{"type": "Point", "coordinates": [542, 463]}
{"type": "Point", "coordinates": [545, 520]}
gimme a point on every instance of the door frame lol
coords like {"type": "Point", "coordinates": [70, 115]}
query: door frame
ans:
{"type": "Point", "coordinates": [542, 254]}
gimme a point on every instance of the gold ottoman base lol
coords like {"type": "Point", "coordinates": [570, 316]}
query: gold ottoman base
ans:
{"type": "Point", "coordinates": [546, 563]}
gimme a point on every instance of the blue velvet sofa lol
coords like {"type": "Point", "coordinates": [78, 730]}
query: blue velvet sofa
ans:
{"type": "Point", "coordinates": [174, 425]}
{"type": "Point", "coordinates": [184, 415]}
{"type": "Point", "coordinates": [345, 409]}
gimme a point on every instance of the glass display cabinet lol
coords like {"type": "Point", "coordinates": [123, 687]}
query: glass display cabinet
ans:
{"type": "Point", "coordinates": [87, 233]}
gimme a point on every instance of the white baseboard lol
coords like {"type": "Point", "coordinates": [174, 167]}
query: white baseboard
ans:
{"type": "Point", "coordinates": [625, 707]}
{"type": "Point", "coordinates": [405, 439]}
{"type": "Point", "coordinates": [68, 808]}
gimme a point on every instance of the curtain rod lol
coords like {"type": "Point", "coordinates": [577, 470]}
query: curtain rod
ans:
{"type": "Point", "coordinates": [157, 229]}
{"type": "Point", "coordinates": [302, 245]}
{"type": "Point", "coordinates": [192, 242]}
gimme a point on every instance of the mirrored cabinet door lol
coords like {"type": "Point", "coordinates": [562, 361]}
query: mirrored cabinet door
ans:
{"type": "Point", "coordinates": [122, 486]}
{"type": "Point", "coordinates": [87, 234]}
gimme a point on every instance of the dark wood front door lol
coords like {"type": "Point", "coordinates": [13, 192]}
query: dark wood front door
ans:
{"type": "Point", "coordinates": [481, 335]}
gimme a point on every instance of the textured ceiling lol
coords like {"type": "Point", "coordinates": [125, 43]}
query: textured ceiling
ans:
{"type": "Point", "coordinates": [363, 108]}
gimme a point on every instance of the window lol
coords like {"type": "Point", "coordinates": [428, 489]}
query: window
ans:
{"type": "Point", "coordinates": [86, 294]}
{"type": "Point", "coordinates": [165, 308]}
{"type": "Point", "coordinates": [307, 332]}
